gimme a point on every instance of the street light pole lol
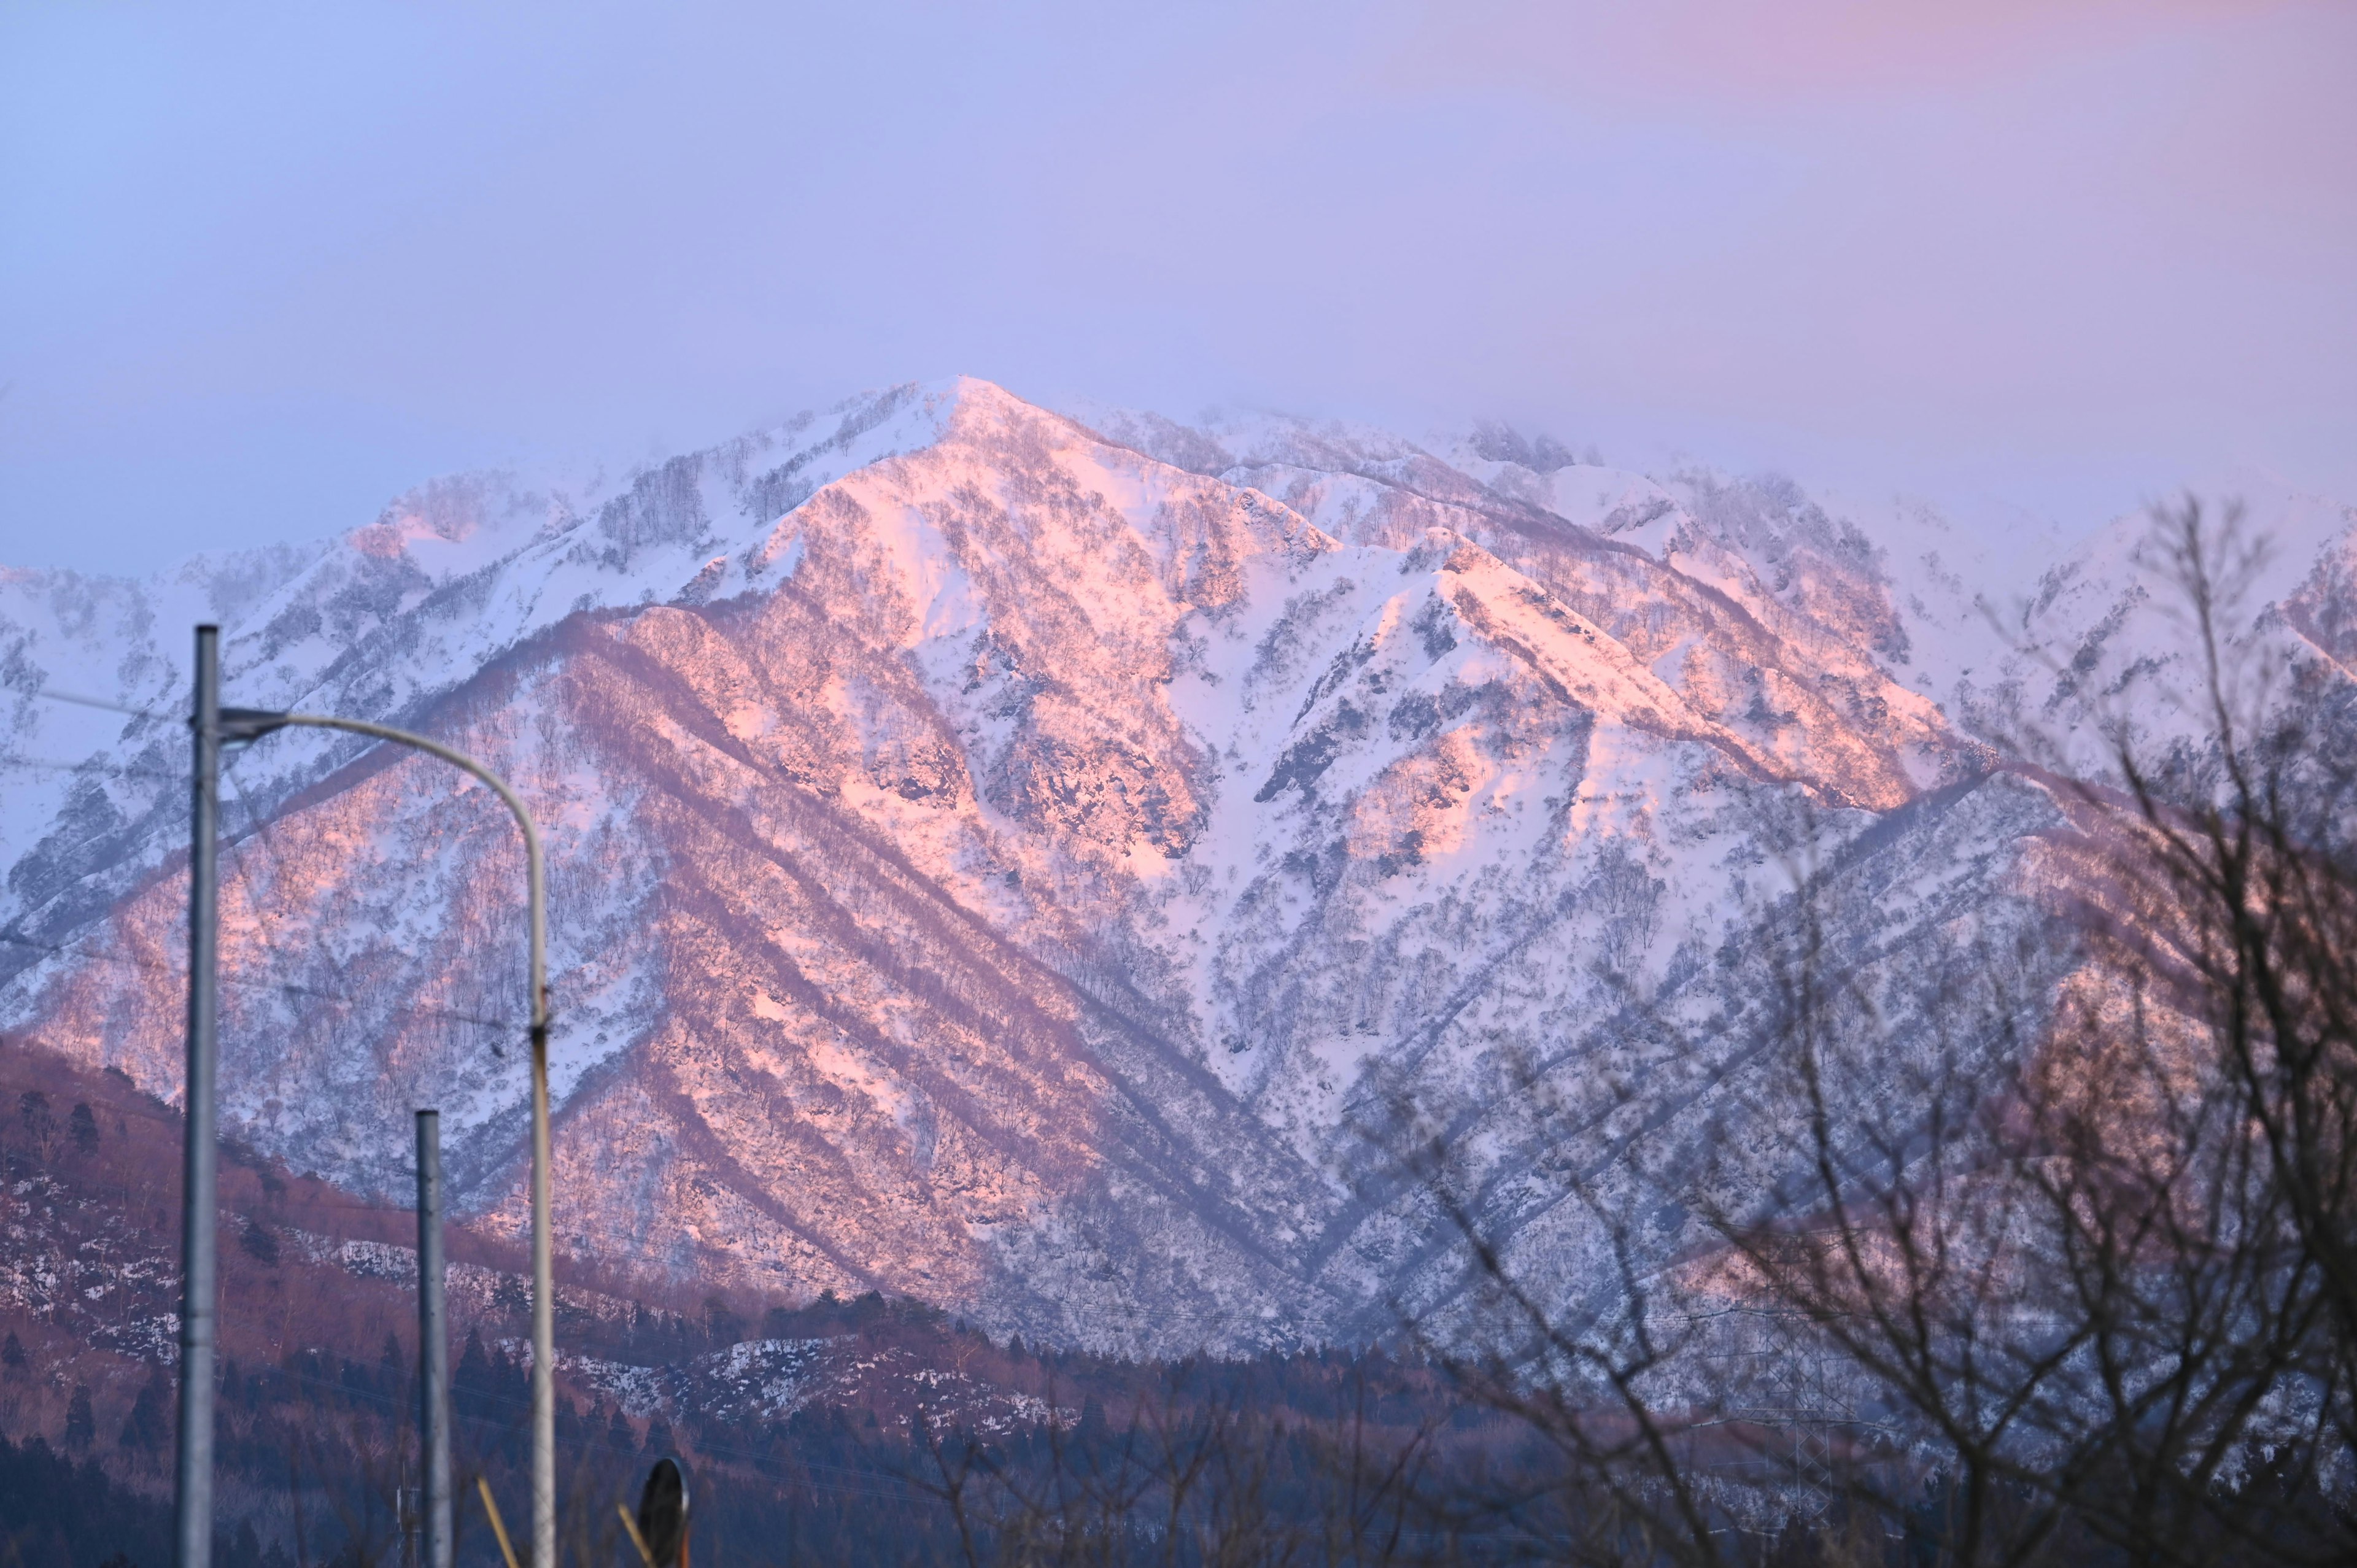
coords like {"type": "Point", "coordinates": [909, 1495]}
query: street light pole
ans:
{"type": "Point", "coordinates": [432, 1350]}
{"type": "Point", "coordinates": [250, 723]}
{"type": "Point", "coordinates": [192, 1495]}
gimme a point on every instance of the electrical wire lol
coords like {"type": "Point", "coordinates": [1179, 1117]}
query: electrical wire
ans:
{"type": "Point", "coordinates": [256, 825]}
{"type": "Point", "coordinates": [91, 764]}
{"type": "Point", "coordinates": [258, 828]}
{"type": "Point", "coordinates": [445, 1015]}
{"type": "Point", "coordinates": [80, 701]}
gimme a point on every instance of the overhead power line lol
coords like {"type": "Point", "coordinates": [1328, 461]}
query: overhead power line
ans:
{"type": "Point", "coordinates": [256, 825]}
{"type": "Point", "coordinates": [89, 764]}
{"type": "Point", "coordinates": [444, 1015]}
{"type": "Point", "coordinates": [80, 701]}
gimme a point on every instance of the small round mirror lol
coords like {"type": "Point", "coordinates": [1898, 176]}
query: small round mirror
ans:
{"type": "Point", "coordinates": [663, 1514]}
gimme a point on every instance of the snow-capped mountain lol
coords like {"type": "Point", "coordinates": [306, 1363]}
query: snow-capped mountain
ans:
{"type": "Point", "coordinates": [1020, 860]}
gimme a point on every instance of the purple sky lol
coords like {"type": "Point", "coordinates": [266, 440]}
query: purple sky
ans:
{"type": "Point", "coordinates": [262, 267]}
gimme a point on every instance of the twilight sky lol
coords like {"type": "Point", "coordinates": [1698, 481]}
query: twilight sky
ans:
{"type": "Point", "coordinates": [262, 267]}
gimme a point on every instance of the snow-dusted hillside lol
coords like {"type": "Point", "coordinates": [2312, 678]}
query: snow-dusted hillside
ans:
{"type": "Point", "coordinates": [1015, 860]}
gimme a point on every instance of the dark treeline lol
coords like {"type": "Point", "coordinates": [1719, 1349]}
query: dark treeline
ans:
{"type": "Point", "coordinates": [313, 1451]}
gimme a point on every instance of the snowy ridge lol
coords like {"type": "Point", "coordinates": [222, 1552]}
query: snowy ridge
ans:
{"type": "Point", "coordinates": [1015, 860]}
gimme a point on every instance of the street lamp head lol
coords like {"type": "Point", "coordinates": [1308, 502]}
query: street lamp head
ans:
{"type": "Point", "coordinates": [248, 723]}
{"type": "Point", "coordinates": [663, 1514]}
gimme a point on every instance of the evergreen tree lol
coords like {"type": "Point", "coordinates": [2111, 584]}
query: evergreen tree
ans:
{"type": "Point", "coordinates": [32, 1106]}
{"type": "Point", "coordinates": [149, 1423]}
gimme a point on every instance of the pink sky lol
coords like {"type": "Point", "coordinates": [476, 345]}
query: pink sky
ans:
{"type": "Point", "coordinates": [261, 269]}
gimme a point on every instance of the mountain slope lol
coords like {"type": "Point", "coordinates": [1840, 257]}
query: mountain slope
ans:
{"type": "Point", "coordinates": [1018, 862]}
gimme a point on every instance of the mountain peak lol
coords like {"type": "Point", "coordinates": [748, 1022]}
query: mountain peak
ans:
{"type": "Point", "coordinates": [1011, 859]}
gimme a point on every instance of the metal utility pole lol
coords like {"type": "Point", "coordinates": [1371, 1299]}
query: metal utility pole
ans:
{"type": "Point", "coordinates": [250, 724]}
{"type": "Point", "coordinates": [200, 1297]}
{"type": "Point", "coordinates": [433, 1345]}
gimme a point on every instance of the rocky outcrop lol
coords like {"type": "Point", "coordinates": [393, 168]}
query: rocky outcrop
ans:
{"type": "Point", "coordinates": [1020, 863]}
